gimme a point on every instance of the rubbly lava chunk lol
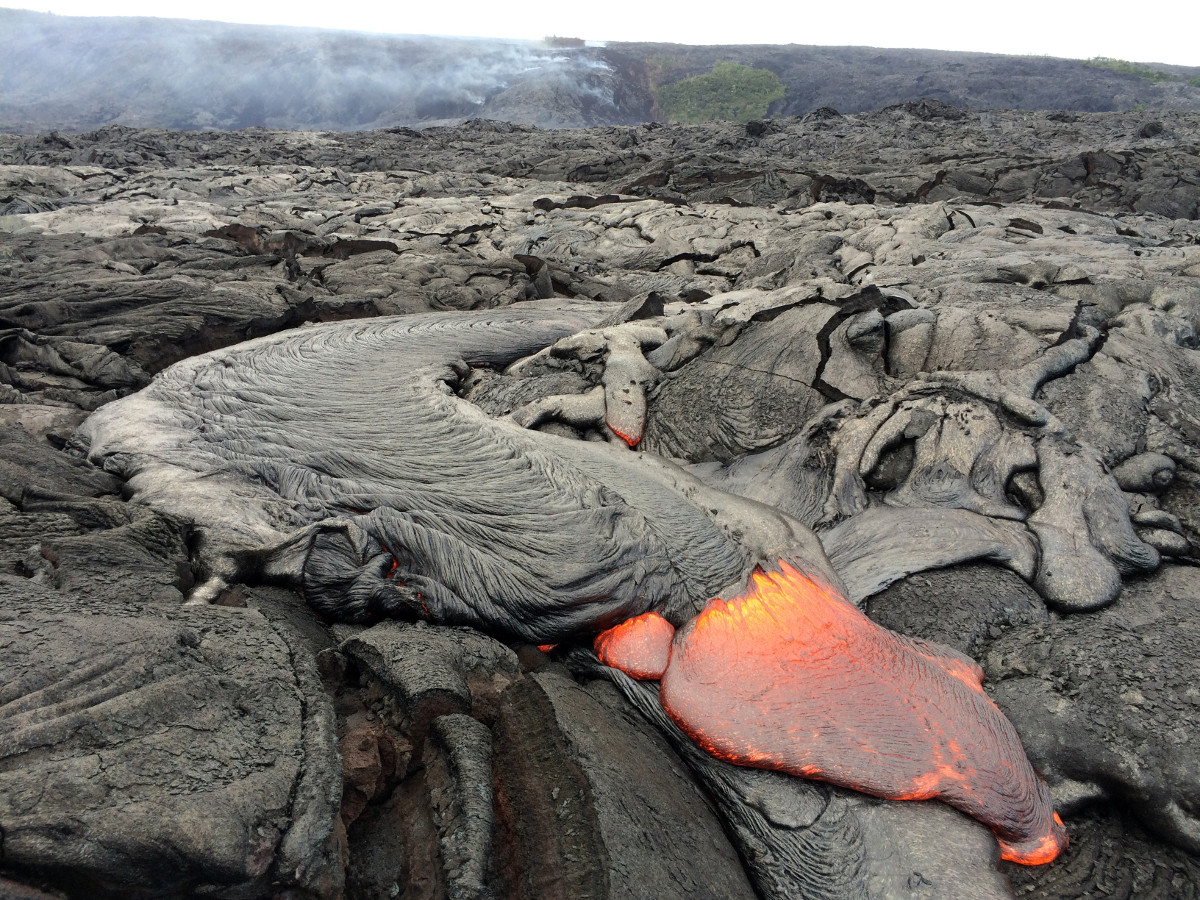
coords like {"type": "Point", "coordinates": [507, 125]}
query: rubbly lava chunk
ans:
{"type": "Point", "coordinates": [791, 676]}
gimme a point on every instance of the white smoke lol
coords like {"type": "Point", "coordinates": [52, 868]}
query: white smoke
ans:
{"type": "Point", "coordinates": [82, 73]}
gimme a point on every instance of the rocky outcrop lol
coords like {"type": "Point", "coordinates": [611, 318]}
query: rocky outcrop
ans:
{"type": "Point", "coordinates": [122, 716]}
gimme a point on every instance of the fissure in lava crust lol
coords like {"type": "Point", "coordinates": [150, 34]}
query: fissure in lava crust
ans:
{"type": "Point", "coordinates": [791, 676]}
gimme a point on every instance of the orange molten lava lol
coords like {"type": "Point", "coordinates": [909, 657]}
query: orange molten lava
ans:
{"type": "Point", "coordinates": [639, 647]}
{"type": "Point", "coordinates": [791, 676]}
{"type": "Point", "coordinates": [631, 439]}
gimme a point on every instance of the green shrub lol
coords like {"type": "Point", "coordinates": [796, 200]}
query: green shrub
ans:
{"type": "Point", "coordinates": [1194, 82]}
{"type": "Point", "coordinates": [730, 92]}
{"type": "Point", "coordinates": [1124, 67]}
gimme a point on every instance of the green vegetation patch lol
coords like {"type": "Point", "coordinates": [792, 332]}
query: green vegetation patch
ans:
{"type": "Point", "coordinates": [1125, 67]}
{"type": "Point", "coordinates": [730, 92]}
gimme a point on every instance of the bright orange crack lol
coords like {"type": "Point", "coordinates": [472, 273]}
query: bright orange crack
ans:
{"type": "Point", "coordinates": [791, 676]}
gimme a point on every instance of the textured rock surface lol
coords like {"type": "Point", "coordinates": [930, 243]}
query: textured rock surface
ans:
{"type": "Point", "coordinates": [968, 362]}
{"type": "Point", "coordinates": [120, 717]}
{"type": "Point", "coordinates": [601, 732]}
{"type": "Point", "coordinates": [1122, 683]}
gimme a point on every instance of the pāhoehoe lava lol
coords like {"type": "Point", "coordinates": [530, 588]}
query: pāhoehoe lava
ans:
{"type": "Point", "coordinates": [339, 457]}
{"type": "Point", "coordinates": [791, 676]}
{"type": "Point", "coordinates": [281, 448]}
{"type": "Point", "coordinates": [639, 647]}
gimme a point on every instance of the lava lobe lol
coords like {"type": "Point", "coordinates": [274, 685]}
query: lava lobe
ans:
{"type": "Point", "coordinates": [791, 676]}
{"type": "Point", "coordinates": [640, 647]}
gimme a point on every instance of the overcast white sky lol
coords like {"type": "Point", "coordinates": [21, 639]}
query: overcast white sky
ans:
{"type": "Point", "coordinates": [1161, 31]}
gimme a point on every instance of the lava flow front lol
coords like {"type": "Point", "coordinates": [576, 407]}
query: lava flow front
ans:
{"type": "Point", "coordinates": [640, 647]}
{"type": "Point", "coordinates": [791, 676]}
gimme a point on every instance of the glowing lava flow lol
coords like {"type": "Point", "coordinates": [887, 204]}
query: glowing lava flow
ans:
{"type": "Point", "coordinates": [791, 676]}
{"type": "Point", "coordinates": [640, 647]}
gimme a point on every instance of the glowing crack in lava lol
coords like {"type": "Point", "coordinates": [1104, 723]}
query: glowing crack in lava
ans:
{"type": "Point", "coordinates": [791, 676]}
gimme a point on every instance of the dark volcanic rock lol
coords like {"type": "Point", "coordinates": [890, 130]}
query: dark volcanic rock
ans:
{"type": "Point", "coordinates": [965, 607]}
{"type": "Point", "coordinates": [1112, 856]}
{"type": "Point", "coordinates": [1105, 703]}
{"type": "Point", "coordinates": [527, 785]}
{"type": "Point", "coordinates": [432, 672]}
{"type": "Point", "coordinates": [155, 750]}
{"type": "Point", "coordinates": [604, 736]}
{"type": "Point", "coordinates": [584, 826]}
